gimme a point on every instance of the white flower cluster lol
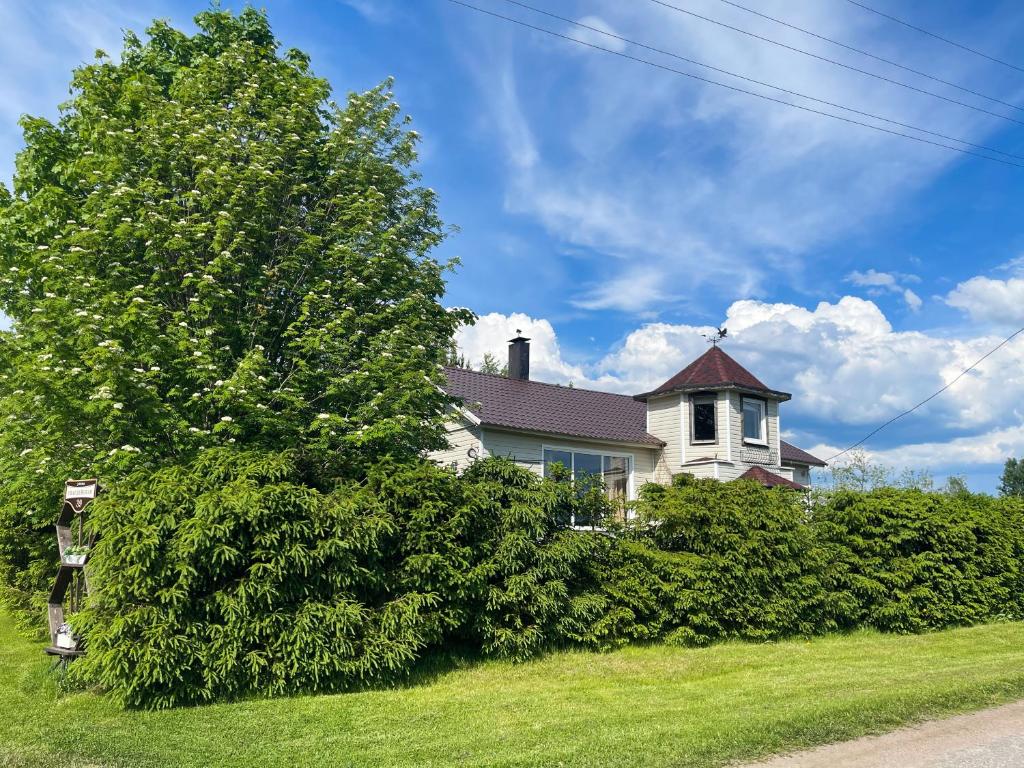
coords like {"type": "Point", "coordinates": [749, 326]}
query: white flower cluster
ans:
{"type": "Point", "coordinates": [103, 393]}
{"type": "Point", "coordinates": [126, 448]}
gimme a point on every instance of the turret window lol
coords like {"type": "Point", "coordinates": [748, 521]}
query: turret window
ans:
{"type": "Point", "coordinates": [754, 426]}
{"type": "Point", "coordinates": [704, 421]}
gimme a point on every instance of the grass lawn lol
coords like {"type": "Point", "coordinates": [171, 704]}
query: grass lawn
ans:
{"type": "Point", "coordinates": [642, 706]}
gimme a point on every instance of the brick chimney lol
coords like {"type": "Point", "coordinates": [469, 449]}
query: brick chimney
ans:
{"type": "Point", "coordinates": [519, 357]}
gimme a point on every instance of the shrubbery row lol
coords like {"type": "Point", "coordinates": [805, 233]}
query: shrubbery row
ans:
{"type": "Point", "coordinates": [230, 578]}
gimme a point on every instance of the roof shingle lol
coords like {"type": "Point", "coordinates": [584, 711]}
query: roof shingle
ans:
{"type": "Point", "coordinates": [791, 453]}
{"type": "Point", "coordinates": [769, 479]}
{"type": "Point", "coordinates": [714, 370]}
{"type": "Point", "coordinates": [534, 406]}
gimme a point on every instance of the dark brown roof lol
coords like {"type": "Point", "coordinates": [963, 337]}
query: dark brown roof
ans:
{"type": "Point", "coordinates": [714, 370]}
{"type": "Point", "coordinates": [769, 479]}
{"type": "Point", "coordinates": [534, 406]}
{"type": "Point", "coordinates": [796, 455]}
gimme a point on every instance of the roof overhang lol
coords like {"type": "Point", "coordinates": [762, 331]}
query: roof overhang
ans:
{"type": "Point", "coordinates": [464, 412]}
{"type": "Point", "coordinates": [770, 394]}
{"type": "Point", "coordinates": [801, 463]}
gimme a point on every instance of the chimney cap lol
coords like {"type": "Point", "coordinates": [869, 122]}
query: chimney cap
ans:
{"type": "Point", "coordinates": [519, 337]}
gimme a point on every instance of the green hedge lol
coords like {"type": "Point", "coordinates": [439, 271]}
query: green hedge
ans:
{"type": "Point", "coordinates": [906, 560]}
{"type": "Point", "coordinates": [233, 578]}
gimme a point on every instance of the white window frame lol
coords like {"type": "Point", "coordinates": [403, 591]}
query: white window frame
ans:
{"type": "Point", "coordinates": [763, 406]}
{"type": "Point", "coordinates": [630, 486]}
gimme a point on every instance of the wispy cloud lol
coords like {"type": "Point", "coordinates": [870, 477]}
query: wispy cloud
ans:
{"type": "Point", "coordinates": [879, 283]}
{"type": "Point", "coordinates": [376, 11]}
{"type": "Point", "coordinates": [715, 193]}
{"type": "Point", "coordinates": [605, 35]}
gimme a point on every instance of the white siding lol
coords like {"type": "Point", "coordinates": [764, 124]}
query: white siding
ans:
{"type": "Point", "coordinates": [726, 471]}
{"type": "Point", "coordinates": [736, 424]}
{"type": "Point", "coordinates": [718, 470]}
{"type": "Point", "coordinates": [528, 451]}
{"type": "Point", "coordinates": [461, 437]}
{"type": "Point", "coordinates": [663, 421]}
{"type": "Point", "coordinates": [801, 474]}
{"type": "Point", "coordinates": [754, 453]}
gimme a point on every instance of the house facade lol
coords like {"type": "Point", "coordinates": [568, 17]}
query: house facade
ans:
{"type": "Point", "coordinates": [713, 419]}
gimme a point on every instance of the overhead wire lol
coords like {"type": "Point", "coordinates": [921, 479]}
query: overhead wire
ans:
{"type": "Point", "coordinates": [835, 62]}
{"type": "Point", "coordinates": [748, 79]}
{"type": "Point", "coordinates": [734, 88]}
{"type": "Point", "coordinates": [932, 396]}
{"type": "Point", "coordinates": [946, 40]}
{"type": "Point", "coordinates": [870, 55]}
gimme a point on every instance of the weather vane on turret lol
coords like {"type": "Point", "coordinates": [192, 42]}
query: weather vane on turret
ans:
{"type": "Point", "coordinates": [717, 336]}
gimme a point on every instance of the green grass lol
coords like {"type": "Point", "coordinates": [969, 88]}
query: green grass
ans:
{"type": "Point", "coordinates": [642, 706]}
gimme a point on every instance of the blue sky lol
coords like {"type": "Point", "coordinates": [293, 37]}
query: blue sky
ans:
{"type": "Point", "coordinates": [614, 211]}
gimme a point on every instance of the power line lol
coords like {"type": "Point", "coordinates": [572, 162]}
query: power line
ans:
{"type": "Point", "coordinates": [836, 63]}
{"type": "Point", "coordinates": [931, 397]}
{"type": "Point", "coordinates": [870, 55]}
{"type": "Point", "coordinates": [760, 82]}
{"type": "Point", "coordinates": [937, 37]}
{"type": "Point", "coordinates": [733, 88]}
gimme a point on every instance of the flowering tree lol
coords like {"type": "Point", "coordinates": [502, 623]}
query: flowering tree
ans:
{"type": "Point", "coordinates": [206, 251]}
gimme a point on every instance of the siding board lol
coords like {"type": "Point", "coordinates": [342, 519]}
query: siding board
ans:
{"type": "Point", "coordinates": [461, 437]}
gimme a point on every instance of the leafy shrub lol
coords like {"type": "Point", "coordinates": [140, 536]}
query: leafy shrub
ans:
{"type": "Point", "coordinates": [745, 565]}
{"type": "Point", "coordinates": [231, 577]}
{"type": "Point", "coordinates": [534, 565]}
{"type": "Point", "coordinates": [228, 578]}
{"type": "Point", "coordinates": [907, 561]}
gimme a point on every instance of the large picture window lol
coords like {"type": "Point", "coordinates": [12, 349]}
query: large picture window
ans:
{"type": "Point", "coordinates": [704, 424]}
{"type": "Point", "coordinates": [754, 422]}
{"type": "Point", "coordinates": [613, 470]}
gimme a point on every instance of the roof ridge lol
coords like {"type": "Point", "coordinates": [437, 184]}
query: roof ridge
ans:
{"type": "Point", "coordinates": [540, 383]}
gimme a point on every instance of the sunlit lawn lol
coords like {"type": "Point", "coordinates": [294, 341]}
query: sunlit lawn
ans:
{"type": "Point", "coordinates": [642, 706]}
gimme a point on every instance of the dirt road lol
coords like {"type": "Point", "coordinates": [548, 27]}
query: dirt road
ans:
{"type": "Point", "coordinates": [992, 738]}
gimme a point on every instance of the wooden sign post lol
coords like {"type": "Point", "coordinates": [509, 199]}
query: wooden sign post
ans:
{"type": "Point", "coordinates": [72, 583]}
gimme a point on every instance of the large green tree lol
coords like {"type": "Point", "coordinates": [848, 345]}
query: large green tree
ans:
{"type": "Point", "coordinates": [1012, 481]}
{"type": "Point", "coordinates": [205, 251]}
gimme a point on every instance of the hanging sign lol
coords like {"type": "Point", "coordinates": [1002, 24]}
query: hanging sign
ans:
{"type": "Point", "coordinates": [78, 493]}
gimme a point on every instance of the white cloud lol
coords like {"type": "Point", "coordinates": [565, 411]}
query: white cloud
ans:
{"type": "Point", "coordinates": [913, 300]}
{"type": "Point", "coordinates": [491, 333]}
{"type": "Point", "coordinates": [987, 300]}
{"type": "Point", "coordinates": [879, 283]}
{"type": "Point", "coordinates": [872, 278]}
{"type": "Point", "coordinates": [633, 292]}
{"type": "Point", "coordinates": [990, 447]}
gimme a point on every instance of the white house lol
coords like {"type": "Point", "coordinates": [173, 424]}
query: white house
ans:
{"type": "Point", "coordinates": [712, 419]}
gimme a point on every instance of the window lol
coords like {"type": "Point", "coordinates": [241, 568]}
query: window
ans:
{"type": "Point", "coordinates": [586, 465]}
{"type": "Point", "coordinates": [754, 430]}
{"type": "Point", "coordinates": [704, 419]}
{"type": "Point", "coordinates": [614, 471]}
{"type": "Point", "coordinates": [553, 458]}
{"type": "Point", "coordinates": [616, 477]}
